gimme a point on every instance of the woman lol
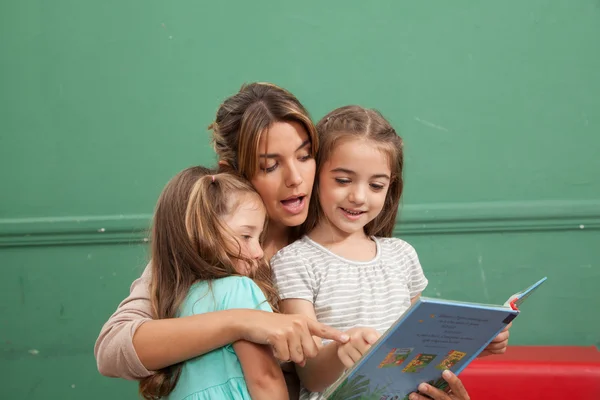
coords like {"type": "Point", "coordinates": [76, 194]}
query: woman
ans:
{"type": "Point", "coordinates": [265, 134]}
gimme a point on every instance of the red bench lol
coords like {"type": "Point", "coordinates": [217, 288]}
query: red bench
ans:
{"type": "Point", "coordinates": [535, 373]}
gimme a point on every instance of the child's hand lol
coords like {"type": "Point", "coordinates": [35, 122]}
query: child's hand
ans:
{"type": "Point", "coordinates": [360, 341]}
{"type": "Point", "coordinates": [499, 344]}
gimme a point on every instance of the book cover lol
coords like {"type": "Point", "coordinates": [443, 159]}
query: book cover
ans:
{"type": "Point", "coordinates": [431, 336]}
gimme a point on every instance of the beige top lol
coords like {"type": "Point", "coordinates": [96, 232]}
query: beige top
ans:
{"type": "Point", "coordinates": [114, 351]}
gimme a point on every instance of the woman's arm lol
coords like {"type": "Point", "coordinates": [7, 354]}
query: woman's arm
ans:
{"type": "Point", "coordinates": [160, 343]}
{"type": "Point", "coordinates": [164, 342]}
{"type": "Point", "coordinates": [114, 350]}
{"type": "Point", "coordinates": [262, 372]}
{"type": "Point", "coordinates": [131, 344]}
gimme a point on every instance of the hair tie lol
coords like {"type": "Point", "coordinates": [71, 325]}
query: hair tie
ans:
{"type": "Point", "coordinates": [213, 179]}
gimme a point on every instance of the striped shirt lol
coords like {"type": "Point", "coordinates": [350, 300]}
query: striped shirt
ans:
{"type": "Point", "coordinates": [346, 293]}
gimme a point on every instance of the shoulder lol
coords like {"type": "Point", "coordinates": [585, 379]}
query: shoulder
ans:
{"type": "Point", "coordinates": [225, 286]}
{"type": "Point", "coordinates": [399, 252]}
{"type": "Point", "coordinates": [294, 251]}
{"type": "Point", "coordinates": [223, 294]}
{"type": "Point", "coordinates": [147, 273]}
{"type": "Point", "coordinates": [396, 245]}
{"type": "Point", "coordinates": [220, 289]}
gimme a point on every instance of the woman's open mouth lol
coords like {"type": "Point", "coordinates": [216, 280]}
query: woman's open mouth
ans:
{"type": "Point", "coordinates": [294, 205]}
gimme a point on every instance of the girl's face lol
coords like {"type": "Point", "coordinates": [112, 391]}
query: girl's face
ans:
{"type": "Point", "coordinates": [246, 223]}
{"type": "Point", "coordinates": [287, 173]}
{"type": "Point", "coordinates": [353, 185]}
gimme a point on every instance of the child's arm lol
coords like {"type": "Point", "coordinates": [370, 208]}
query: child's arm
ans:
{"type": "Point", "coordinates": [414, 299]}
{"type": "Point", "coordinates": [262, 372]}
{"type": "Point", "coordinates": [324, 369]}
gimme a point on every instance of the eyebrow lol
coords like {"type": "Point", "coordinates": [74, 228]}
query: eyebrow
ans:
{"type": "Point", "coordinates": [251, 227]}
{"type": "Point", "coordinates": [275, 155]}
{"type": "Point", "coordinates": [350, 172]}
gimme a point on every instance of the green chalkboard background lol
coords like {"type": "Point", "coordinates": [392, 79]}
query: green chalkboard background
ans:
{"type": "Point", "coordinates": [102, 102]}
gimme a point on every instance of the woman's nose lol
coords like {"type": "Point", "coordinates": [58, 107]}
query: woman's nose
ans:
{"type": "Point", "coordinates": [293, 177]}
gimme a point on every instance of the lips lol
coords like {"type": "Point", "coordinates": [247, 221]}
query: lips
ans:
{"type": "Point", "coordinates": [352, 214]}
{"type": "Point", "coordinates": [294, 204]}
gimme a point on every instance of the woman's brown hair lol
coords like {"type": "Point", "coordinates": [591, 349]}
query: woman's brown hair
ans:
{"type": "Point", "coordinates": [188, 245]}
{"type": "Point", "coordinates": [355, 122]}
{"type": "Point", "coordinates": [243, 118]}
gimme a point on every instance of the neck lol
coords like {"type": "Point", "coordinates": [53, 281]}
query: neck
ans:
{"type": "Point", "coordinates": [276, 239]}
{"type": "Point", "coordinates": [355, 246]}
{"type": "Point", "coordinates": [327, 234]}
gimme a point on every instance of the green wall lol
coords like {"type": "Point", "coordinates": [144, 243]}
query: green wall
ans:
{"type": "Point", "coordinates": [102, 102]}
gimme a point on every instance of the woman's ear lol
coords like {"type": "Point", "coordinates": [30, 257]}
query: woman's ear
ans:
{"type": "Point", "coordinates": [223, 163]}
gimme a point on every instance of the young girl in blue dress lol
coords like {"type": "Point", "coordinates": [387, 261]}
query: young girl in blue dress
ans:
{"type": "Point", "coordinates": [206, 256]}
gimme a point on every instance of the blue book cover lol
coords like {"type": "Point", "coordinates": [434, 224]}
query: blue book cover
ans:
{"type": "Point", "coordinates": [431, 336]}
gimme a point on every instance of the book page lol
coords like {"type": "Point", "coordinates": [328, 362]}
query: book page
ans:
{"type": "Point", "coordinates": [432, 337]}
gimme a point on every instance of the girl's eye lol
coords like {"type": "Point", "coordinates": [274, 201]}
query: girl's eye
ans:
{"type": "Point", "coordinates": [246, 237]}
{"type": "Point", "coordinates": [271, 168]}
{"type": "Point", "coordinates": [342, 180]}
{"type": "Point", "coordinates": [377, 187]}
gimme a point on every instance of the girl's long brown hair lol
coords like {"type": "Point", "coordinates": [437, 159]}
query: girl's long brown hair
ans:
{"type": "Point", "coordinates": [355, 122]}
{"type": "Point", "coordinates": [189, 245]}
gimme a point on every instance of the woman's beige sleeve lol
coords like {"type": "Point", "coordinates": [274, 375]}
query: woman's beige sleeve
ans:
{"type": "Point", "coordinates": [114, 351]}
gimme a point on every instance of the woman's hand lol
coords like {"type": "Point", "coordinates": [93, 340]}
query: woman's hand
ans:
{"type": "Point", "coordinates": [499, 344]}
{"type": "Point", "coordinates": [360, 341]}
{"type": "Point", "coordinates": [456, 390]}
{"type": "Point", "coordinates": [290, 335]}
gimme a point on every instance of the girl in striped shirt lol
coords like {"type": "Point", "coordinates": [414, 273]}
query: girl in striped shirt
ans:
{"type": "Point", "coordinates": [348, 271]}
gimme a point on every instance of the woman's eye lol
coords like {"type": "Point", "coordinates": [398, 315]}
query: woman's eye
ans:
{"type": "Point", "coordinates": [305, 158]}
{"type": "Point", "coordinates": [246, 237]}
{"type": "Point", "coordinates": [271, 168]}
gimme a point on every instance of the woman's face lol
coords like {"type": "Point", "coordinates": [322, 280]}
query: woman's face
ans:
{"type": "Point", "coordinates": [286, 173]}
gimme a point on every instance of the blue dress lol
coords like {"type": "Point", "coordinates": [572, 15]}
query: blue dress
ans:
{"type": "Point", "coordinates": [218, 374]}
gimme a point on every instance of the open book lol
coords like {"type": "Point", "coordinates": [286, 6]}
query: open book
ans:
{"type": "Point", "coordinates": [431, 336]}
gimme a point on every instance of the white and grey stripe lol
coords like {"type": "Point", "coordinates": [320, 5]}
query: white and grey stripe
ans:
{"type": "Point", "coordinates": [346, 293]}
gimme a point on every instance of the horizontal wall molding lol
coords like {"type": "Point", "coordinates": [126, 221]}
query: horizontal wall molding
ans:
{"type": "Point", "coordinates": [73, 230]}
{"type": "Point", "coordinates": [412, 220]}
{"type": "Point", "coordinates": [498, 217]}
